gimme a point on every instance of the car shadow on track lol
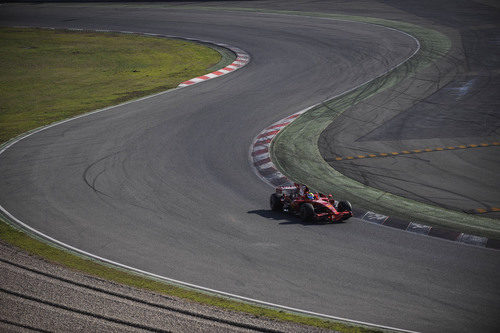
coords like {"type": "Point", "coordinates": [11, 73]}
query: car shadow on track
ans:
{"type": "Point", "coordinates": [286, 219]}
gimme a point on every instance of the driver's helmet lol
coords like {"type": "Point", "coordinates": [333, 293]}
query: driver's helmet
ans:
{"type": "Point", "coordinates": [310, 196]}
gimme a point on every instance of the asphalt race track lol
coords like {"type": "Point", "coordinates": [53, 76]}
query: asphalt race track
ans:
{"type": "Point", "coordinates": [165, 184]}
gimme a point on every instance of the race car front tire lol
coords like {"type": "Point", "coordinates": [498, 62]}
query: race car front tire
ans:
{"type": "Point", "coordinates": [344, 206]}
{"type": "Point", "coordinates": [306, 212]}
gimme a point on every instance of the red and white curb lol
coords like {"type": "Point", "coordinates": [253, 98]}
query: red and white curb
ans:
{"type": "Point", "coordinates": [242, 58]}
{"type": "Point", "coordinates": [260, 156]}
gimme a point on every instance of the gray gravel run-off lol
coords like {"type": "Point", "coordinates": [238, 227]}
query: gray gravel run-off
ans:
{"type": "Point", "coordinates": [37, 295]}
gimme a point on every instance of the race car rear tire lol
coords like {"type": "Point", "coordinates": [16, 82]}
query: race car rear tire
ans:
{"type": "Point", "coordinates": [275, 202]}
{"type": "Point", "coordinates": [344, 206]}
{"type": "Point", "coordinates": [306, 212]}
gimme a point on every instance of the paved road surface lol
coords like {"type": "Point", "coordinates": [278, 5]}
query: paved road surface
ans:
{"type": "Point", "coordinates": [165, 185]}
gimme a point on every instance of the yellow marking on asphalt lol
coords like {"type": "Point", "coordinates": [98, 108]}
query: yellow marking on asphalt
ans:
{"type": "Point", "coordinates": [484, 210]}
{"type": "Point", "coordinates": [424, 150]}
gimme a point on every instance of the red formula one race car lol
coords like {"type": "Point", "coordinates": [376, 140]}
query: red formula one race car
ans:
{"type": "Point", "coordinates": [311, 207]}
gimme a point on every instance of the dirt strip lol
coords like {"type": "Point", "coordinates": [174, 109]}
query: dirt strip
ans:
{"type": "Point", "coordinates": [36, 295]}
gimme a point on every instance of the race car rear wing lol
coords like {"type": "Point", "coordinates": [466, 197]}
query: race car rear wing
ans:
{"type": "Point", "coordinates": [286, 189]}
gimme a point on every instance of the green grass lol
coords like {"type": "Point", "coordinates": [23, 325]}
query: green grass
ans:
{"type": "Point", "coordinates": [49, 75]}
{"type": "Point", "coordinates": [52, 75]}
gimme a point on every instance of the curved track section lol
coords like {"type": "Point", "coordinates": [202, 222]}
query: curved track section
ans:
{"type": "Point", "coordinates": [164, 184]}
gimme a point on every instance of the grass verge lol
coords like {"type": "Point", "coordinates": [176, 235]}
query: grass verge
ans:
{"type": "Point", "coordinates": [54, 75]}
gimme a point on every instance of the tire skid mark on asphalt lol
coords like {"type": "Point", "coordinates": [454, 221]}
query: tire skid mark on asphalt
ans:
{"type": "Point", "coordinates": [265, 169]}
